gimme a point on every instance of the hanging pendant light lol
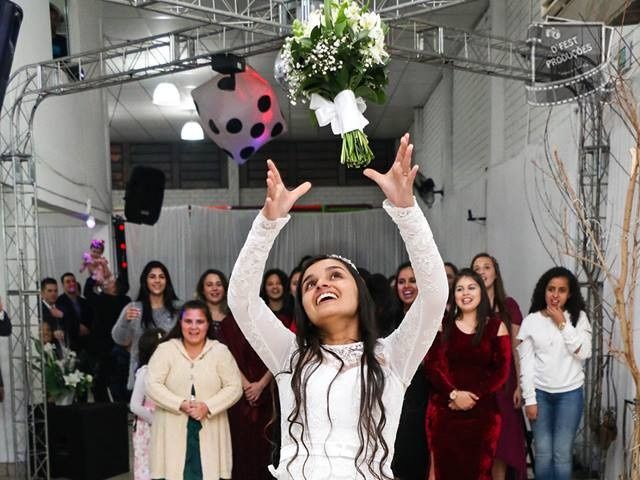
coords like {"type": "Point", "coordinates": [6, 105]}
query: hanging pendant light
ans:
{"type": "Point", "coordinates": [191, 131]}
{"type": "Point", "coordinates": [166, 95]}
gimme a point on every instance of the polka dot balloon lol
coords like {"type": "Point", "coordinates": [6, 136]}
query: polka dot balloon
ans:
{"type": "Point", "coordinates": [239, 118]}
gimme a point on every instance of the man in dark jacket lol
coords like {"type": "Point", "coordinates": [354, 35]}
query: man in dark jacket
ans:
{"type": "Point", "coordinates": [78, 315]}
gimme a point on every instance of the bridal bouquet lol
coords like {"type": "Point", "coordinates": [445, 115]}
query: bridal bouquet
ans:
{"type": "Point", "coordinates": [336, 60]}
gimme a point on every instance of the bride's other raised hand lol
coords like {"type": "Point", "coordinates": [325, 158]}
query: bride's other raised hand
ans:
{"type": "Point", "coordinates": [397, 183]}
{"type": "Point", "coordinates": [279, 199]}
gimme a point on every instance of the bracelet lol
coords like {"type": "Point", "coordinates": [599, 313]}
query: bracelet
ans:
{"type": "Point", "coordinates": [562, 325]}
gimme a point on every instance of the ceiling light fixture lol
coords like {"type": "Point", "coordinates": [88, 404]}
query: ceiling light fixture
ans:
{"type": "Point", "coordinates": [191, 131]}
{"type": "Point", "coordinates": [166, 95]}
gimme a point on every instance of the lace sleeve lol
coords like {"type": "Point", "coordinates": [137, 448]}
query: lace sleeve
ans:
{"type": "Point", "coordinates": [409, 343]}
{"type": "Point", "coordinates": [271, 340]}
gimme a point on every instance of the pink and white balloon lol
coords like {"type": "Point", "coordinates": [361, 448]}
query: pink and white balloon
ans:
{"type": "Point", "coordinates": [239, 118]}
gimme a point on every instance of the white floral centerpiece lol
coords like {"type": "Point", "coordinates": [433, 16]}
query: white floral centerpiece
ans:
{"type": "Point", "coordinates": [336, 60]}
{"type": "Point", "coordinates": [63, 380]}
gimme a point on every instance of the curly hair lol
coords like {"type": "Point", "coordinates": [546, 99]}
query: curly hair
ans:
{"type": "Point", "coordinates": [575, 303]}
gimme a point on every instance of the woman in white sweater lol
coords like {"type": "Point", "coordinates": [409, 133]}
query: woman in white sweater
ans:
{"type": "Point", "coordinates": [341, 387]}
{"type": "Point", "coordinates": [555, 341]}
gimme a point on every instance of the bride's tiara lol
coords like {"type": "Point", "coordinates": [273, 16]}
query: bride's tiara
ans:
{"type": "Point", "coordinates": [344, 259]}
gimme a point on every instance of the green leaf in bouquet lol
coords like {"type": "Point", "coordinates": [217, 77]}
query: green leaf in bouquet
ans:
{"type": "Point", "coordinates": [316, 33]}
{"type": "Point", "coordinates": [381, 96]}
{"type": "Point", "coordinates": [311, 84]}
{"type": "Point", "coordinates": [340, 26]}
{"type": "Point", "coordinates": [306, 43]}
{"type": "Point", "coordinates": [366, 92]}
{"type": "Point", "coordinates": [341, 17]}
{"type": "Point", "coordinates": [313, 118]}
{"type": "Point", "coordinates": [355, 81]}
{"type": "Point", "coordinates": [362, 34]}
{"type": "Point", "coordinates": [342, 79]}
{"type": "Point", "coordinates": [327, 14]}
{"type": "Point", "coordinates": [297, 28]}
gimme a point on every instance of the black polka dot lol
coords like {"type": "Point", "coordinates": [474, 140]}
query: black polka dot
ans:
{"type": "Point", "coordinates": [234, 125]}
{"type": "Point", "coordinates": [264, 103]}
{"type": "Point", "coordinates": [227, 83]}
{"type": "Point", "coordinates": [257, 130]}
{"type": "Point", "coordinates": [246, 152]}
{"type": "Point", "coordinates": [277, 129]}
{"type": "Point", "coordinates": [213, 127]}
{"type": "Point", "coordinates": [227, 152]}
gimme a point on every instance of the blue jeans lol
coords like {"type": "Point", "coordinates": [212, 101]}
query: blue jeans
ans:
{"type": "Point", "coordinates": [554, 432]}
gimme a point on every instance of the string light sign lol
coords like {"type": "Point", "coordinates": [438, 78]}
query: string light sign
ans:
{"type": "Point", "coordinates": [568, 61]}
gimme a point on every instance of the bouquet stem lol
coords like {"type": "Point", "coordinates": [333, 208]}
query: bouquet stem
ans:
{"type": "Point", "coordinates": [356, 152]}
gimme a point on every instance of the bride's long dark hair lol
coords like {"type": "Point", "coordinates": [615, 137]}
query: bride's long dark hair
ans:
{"type": "Point", "coordinates": [308, 358]}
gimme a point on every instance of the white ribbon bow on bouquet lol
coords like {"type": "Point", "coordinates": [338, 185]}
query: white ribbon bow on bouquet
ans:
{"type": "Point", "coordinates": [344, 113]}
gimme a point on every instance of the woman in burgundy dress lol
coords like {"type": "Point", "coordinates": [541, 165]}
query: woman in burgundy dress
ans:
{"type": "Point", "coordinates": [467, 364]}
{"type": "Point", "coordinates": [249, 417]}
{"type": "Point", "coordinates": [510, 455]}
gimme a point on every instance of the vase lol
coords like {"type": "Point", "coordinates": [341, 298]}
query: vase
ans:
{"type": "Point", "coordinates": [66, 399]}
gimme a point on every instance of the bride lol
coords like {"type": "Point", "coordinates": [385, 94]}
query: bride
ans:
{"type": "Point", "coordinates": [341, 387]}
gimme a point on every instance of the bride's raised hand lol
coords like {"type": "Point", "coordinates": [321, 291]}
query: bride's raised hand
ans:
{"type": "Point", "coordinates": [397, 183]}
{"type": "Point", "coordinates": [279, 199]}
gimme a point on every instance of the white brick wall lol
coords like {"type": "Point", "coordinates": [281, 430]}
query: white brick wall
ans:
{"type": "Point", "coordinates": [471, 127]}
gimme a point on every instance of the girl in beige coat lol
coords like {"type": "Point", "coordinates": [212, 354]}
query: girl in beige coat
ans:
{"type": "Point", "coordinates": [194, 380]}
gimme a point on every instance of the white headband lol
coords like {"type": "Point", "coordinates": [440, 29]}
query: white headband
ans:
{"type": "Point", "coordinates": [344, 259]}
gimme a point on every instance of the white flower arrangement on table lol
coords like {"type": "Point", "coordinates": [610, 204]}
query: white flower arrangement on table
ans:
{"type": "Point", "coordinates": [336, 60]}
{"type": "Point", "coordinates": [61, 375]}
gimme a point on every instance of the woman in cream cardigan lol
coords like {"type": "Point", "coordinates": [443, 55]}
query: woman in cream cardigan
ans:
{"type": "Point", "coordinates": [193, 380]}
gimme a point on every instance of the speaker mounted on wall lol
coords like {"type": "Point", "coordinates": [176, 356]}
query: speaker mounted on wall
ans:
{"type": "Point", "coordinates": [143, 195]}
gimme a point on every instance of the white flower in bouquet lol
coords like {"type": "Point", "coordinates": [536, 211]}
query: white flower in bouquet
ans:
{"type": "Point", "coordinates": [352, 12]}
{"type": "Point", "coordinates": [73, 379]}
{"type": "Point", "coordinates": [371, 22]}
{"type": "Point", "coordinates": [49, 348]}
{"type": "Point", "coordinates": [315, 20]}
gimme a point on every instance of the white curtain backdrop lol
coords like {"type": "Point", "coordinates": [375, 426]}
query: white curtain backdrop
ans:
{"type": "Point", "coordinates": [61, 250]}
{"type": "Point", "coordinates": [188, 240]}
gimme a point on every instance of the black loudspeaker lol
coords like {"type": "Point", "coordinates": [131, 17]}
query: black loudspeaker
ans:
{"type": "Point", "coordinates": [143, 196]}
{"type": "Point", "coordinates": [10, 20]}
{"type": "Point", "coordinates": [88, 441]}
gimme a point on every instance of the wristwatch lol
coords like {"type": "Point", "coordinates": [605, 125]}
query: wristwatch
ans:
{"type": "Point", "coordinates": [453, 394]}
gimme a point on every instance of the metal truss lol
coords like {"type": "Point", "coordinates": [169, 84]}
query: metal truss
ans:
{"type": "Point", "coordinates": [461, 50]}
{"type": "Point", "coordinates": [593, 181]}
{"type": "Point", "coordinates": [411, 36]}
{"type": "Point", "coordinates": [19, 217]}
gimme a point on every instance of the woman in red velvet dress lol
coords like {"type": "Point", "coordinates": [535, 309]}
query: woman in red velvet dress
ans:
{"type": "Point", "coordinates": [510, 453]}
{"type": "Point", "coordinates": [468, 362]}
{"type": "Point", "coordinates": [250, 416]}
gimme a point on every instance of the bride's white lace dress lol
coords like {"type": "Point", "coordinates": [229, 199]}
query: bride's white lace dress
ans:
{"type": "Point", "coordinates": [331, 439]}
